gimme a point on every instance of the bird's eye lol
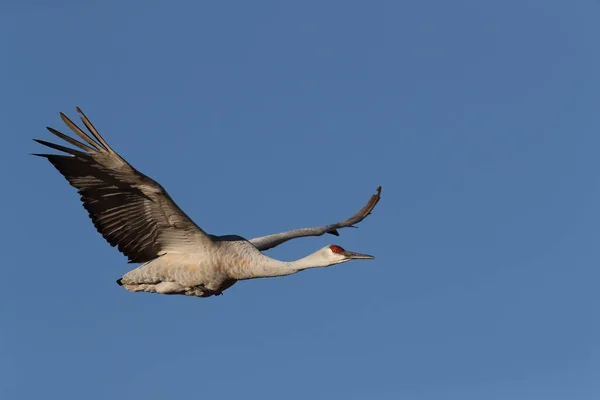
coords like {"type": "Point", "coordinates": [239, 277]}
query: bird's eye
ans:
{"type": "Point", "coordinates": [336, 249]}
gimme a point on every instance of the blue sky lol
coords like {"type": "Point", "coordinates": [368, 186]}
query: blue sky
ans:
{"type": "Point", "coordinates": [480, 120]}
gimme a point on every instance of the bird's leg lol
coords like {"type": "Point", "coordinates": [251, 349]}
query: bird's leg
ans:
{"type": "Point", "coordinates": [209, 292]}
{"type": "Point", "coordinates": [202, 291]}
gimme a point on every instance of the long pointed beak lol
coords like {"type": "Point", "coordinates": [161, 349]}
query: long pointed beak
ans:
{"type": "Point", "coordinates": [358, 256]}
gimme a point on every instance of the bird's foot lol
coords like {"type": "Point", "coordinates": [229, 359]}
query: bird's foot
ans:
{"type": "Point", "coordinates": [202, 291]}
{"type": "Point", "coordinates": [208, 292]}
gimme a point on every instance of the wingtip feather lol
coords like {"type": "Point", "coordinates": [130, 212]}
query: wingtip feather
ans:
{"type": "Point", "coordinates": [80, 133]}
{"type": "Point", "coordinates": [88, 124]}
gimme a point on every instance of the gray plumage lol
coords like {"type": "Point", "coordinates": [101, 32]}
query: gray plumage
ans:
{"type": "Point", "coordinates": [136, 214]}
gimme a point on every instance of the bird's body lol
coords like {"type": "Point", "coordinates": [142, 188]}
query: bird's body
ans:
{"type": "Point", "coordinates": [201, 273]}
{"type": "Point", "coordinates": [207, 272]}
{"type": "Point", "coordinates": [135, 213]}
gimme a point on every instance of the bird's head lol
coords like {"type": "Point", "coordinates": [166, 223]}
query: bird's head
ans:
{"type": "Point", "coordinates": [334, 254]}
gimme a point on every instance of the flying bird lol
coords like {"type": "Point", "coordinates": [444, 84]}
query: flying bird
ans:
{"type": "Point", "coordinates": [136, 214]}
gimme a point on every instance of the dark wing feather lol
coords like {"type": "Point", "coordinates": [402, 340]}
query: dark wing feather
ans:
{"type": "Point", "coordinates": [130, 210]}
{"type": "Point", "coordinates": [270, 241]}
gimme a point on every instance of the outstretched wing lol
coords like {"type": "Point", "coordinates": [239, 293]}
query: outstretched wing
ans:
{"type": "Point", "coordinates": [270, 241]}
{"type": "Point", "coordinates": [130, 210]}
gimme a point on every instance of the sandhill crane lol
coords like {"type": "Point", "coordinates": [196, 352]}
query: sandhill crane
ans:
{"type": "Point", "coordinates": [135, 213]}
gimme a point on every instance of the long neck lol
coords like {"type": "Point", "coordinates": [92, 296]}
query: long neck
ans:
{"type": "Point", "coordinates": [266, 267]}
